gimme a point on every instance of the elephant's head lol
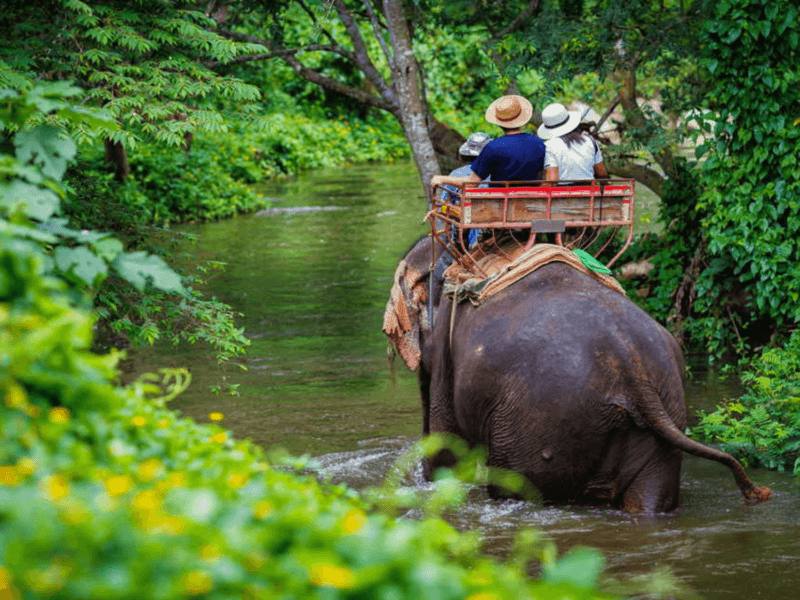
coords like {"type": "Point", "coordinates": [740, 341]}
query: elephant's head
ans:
{"type": "Point", "coordinates": [407, 317]}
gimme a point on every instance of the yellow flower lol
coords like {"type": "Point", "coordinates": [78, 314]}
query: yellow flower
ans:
{"type": "Point", "coordinates": [197, 582]}
{"type": "Point", "coordinates": [33, 410]}
{"type": "Point", "coordinates": [55, 487]}
{"type": "Point", "coordinates": [171, 525]}
{"type": "Point", "coordinates": [353, 521]}
{"type": "Point", "coordinates": [219, 438]}
{"type": "Point", "coordinates": [176, 479]}
{"type": "Point", "coordinates": [156, 521]}
{"type": "Point", "coordinates": [146, 500]}
{"type": "Point", "coordinates": [210, 552]}
{"type": "Point", "coordinates": [216, 416]}
{"type": "Point", "coordinates": [149, 469]}
{"type": "Point", "coordinates": [236, 480]}
{"type": "Point", "coordinates": [59, 414]}
{"type": "Point", "coordinates": [340, 578]}
{"type": "Point", "coordinates": [262, 509]}
{"type": "Point", "coordinates": [163, 423]}
{"type": "Point", "coordinates": [7, 591]}
{"type": "Point", "coordinates": [139, 421]}
{"type": "Point", "coordinates": [26, 466]}
{"type": "Point", "coordinates": [9, 476]}
{"type": "Point", "coordinates": [483, 596]}
{"type": "Point", "coordinates": [16, 397]}
{"type": "Point", "coordinates": [118, 485]}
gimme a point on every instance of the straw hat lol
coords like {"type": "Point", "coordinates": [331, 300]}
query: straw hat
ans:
{"type": "Point", "coordinates": [509, 112]}
{"type": "Point", "coordinates": [557, 120]}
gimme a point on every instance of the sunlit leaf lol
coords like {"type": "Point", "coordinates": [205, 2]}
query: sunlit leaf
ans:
{"type": "Point", "coordinates": [82, 262]}
{"type": "Point", "coordinates": [43, 147]}
{"type": "Point", "coordinates": [580, 566]}
{"type": "Point", "coordinates": [36, 202]}
{"type": "Point", "coordinates": [139, 268]}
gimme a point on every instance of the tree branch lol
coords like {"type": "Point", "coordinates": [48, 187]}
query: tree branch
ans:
{"type": "Point", "coordinates": [607, 114]}
{"type": "Point", "coordinates": [631, 170]}
{"type": "Point", "coordinates": [290, 58]}
{"type": "Point", "coordinates": [516, 23]}
{"type": "Point", "coordinates": [378, 33]}
{"type": "Point", "coordinates": [361, 56]}
{"type": "Point", "coordinates": [635, 117]}
{"type": "Point", "coordinates": [314, 20]}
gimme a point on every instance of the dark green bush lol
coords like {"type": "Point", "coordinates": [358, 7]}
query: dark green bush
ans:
{"type": "Point", "coordinates": [762, 428]}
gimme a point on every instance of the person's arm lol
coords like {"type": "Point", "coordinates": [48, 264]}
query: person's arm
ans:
{"type": "Point", "coordinates": [439, 180]}
{"type": "Point", "coordinates": [600, 171]}
{"type": "Point", "coordinates": [551, 174]}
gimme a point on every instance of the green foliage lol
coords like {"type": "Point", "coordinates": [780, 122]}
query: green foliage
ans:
{"type": "Point", "coordinates": [106, 493]}
{"type": "Point", "coordinates": [142, 62]}
{"type": "Point", "coordinates": [727, 262]}
{"type": "Point", "coordinates": [762, 427]}
{"type": "Point", "coordinates": [751, 188]}
{"type": "Point", "coordinates": [30, 196]}
{"type": "Point", "coordinates": [673, 249]}
{"type": "Point", "coordinates": [140, 298]}
{"type": "Point", "coordinates": [185, 187]}
{"type": "Point", "coordinates": [128, 316]}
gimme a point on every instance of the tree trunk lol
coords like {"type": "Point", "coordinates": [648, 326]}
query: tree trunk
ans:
{"type": "Point", "coordinates": [406, 81]}
{"type": "Point", "coordinates": [117, 159]}
{"type": "Point", "coordinates": [634, 117]}
{"type": "Point", "coordinates": [446, 143]}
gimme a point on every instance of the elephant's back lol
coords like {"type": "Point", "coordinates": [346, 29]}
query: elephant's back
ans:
{"type": "Point", "coordinates": [561, 325]}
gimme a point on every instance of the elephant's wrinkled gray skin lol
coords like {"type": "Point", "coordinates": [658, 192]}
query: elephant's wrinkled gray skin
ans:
{"type": "Point", "coordinates": [567, 382]}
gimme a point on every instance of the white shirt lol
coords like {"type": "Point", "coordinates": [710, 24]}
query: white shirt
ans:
{"type": "Point", "coordinates": [574, 162]}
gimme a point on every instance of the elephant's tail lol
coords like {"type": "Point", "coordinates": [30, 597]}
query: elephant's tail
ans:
{"type": "Point", "coordinates": [656, 417]}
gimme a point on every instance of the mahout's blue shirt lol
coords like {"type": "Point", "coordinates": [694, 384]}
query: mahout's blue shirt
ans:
{"type": "Point", "coordinates": [516, 157]}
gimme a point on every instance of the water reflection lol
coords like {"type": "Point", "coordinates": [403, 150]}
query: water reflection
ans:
{"type": "Point", "coordinates": [311, 277]}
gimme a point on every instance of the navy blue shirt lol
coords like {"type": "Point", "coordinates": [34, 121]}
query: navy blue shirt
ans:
{"type": "Point", "coordinates": [516, 157]}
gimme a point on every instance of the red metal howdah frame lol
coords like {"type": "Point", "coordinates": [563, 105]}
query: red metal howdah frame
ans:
{"type": "Point", "coordinates": [539, 206]}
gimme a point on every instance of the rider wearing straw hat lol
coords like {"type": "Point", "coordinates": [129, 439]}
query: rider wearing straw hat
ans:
{"type": "Point", "coordinates": [514, 156]}
{"type": "Point", "coordinates": [570, 154]}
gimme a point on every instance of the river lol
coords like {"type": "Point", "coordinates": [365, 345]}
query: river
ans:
{"type": "Point", "coordinates": [311, 277]}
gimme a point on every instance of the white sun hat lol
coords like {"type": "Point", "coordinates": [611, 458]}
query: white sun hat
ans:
{"type": "Point", "coordinates": [557, 120]}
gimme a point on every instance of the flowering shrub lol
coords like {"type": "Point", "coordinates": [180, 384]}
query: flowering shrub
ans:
{"type": "Point", "coordinates": [106, 493]}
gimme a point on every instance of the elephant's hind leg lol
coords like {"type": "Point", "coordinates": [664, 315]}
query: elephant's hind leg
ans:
{"type": "Point", "coordinates": [656, 487]}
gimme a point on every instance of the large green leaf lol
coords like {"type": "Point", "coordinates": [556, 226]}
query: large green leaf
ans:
{"type": "Point", "coordinates": [580, 566]}
{"type": "Point", "coordinates": [45, 148]}
{"type": "Point", "coordinates": [91, 117]}
{"type": "Point", "coordinates": [36, 202]}
{"type": "Point", "coordinates": [27, 232]}
{"type": "Point", "coordinates": [139, 267]}
{"type": "Point", "coordinates": [82, 262]}
{"type": "Point", "coordinates": [58, 226]}
{"type": "Point", "coordinates": [108, 248]}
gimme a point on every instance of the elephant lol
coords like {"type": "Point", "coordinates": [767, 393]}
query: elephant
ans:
{"type": "Point", "coordinates": [559, 378]}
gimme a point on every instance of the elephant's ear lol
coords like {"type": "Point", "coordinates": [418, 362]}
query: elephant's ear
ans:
{"type": "Point", "coordinates": [407, 312]}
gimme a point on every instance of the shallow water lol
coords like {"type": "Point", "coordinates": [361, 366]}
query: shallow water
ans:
{"type": "Point", "coordinates": [311, 278]}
